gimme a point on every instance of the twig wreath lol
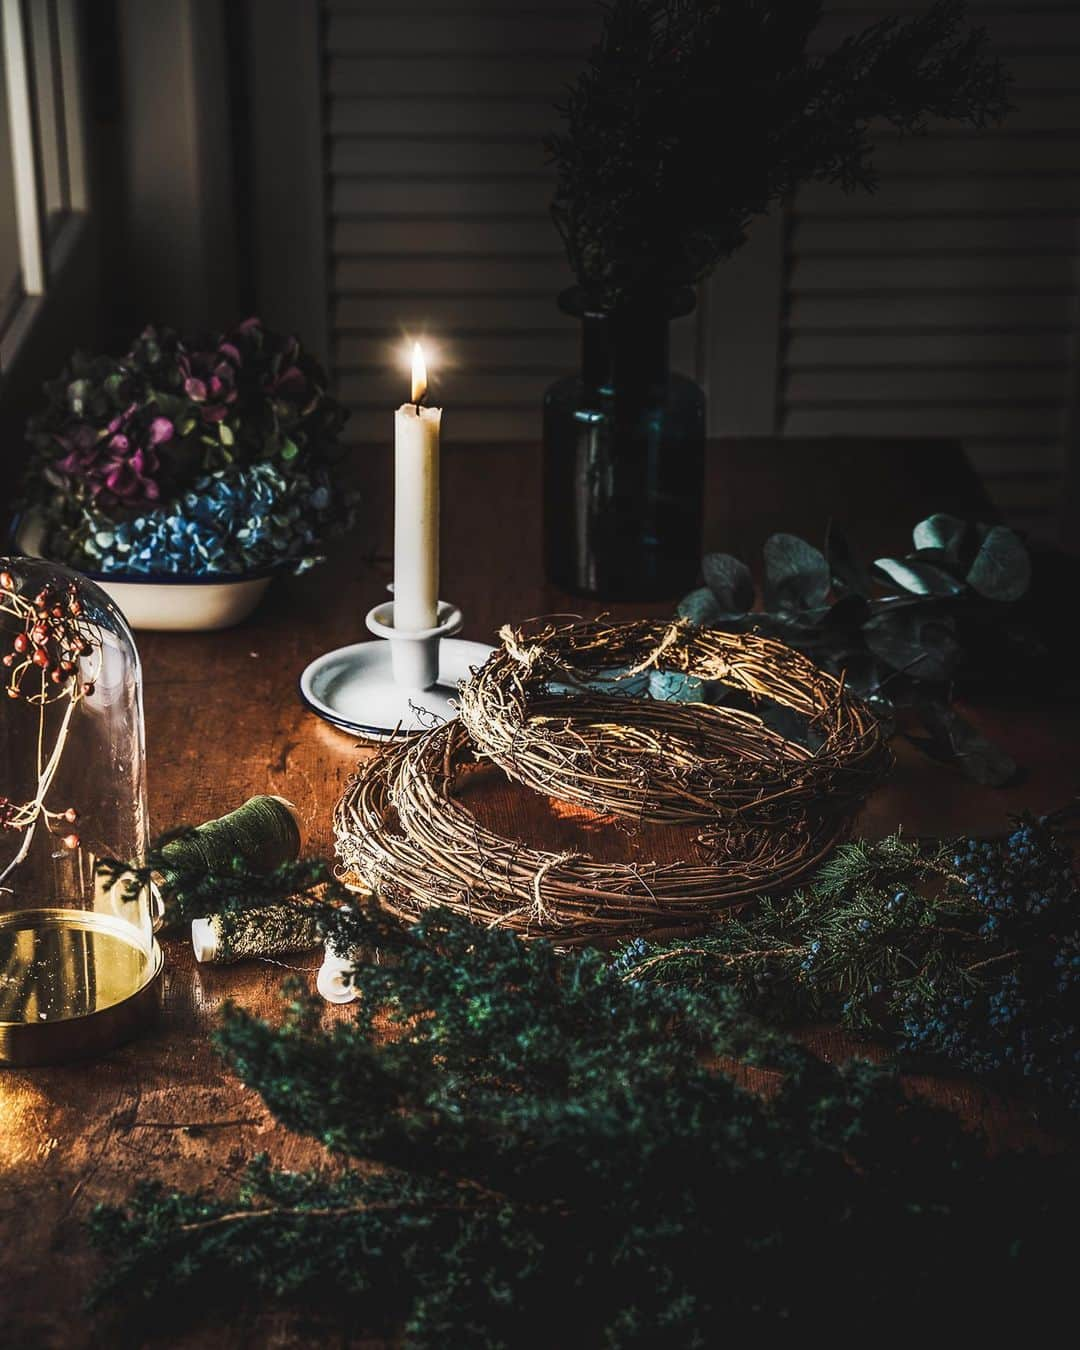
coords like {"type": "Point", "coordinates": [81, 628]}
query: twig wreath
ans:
{"type": "Point", "coordinates": [772, 808]}
{"type": "Point", "coordinates": [549, 709]}
{"type": "Point", "coordinates": [401, 832]}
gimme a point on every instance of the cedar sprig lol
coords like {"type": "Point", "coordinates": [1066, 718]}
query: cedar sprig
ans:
{"type": "Point", "coordinates": [541, 1152]}
{"type": "Point", "coordinates": [694, 116]}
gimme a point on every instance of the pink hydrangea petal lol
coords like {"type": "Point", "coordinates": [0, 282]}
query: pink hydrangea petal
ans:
{"type": "Point", "coordinates": [290, 381]}
{"type": "Point", "coordinates": [120, 418]}
{"type": "Point", "coordinates": [119, 479]}
{"type": "Point", "coordinates": [161, 430]}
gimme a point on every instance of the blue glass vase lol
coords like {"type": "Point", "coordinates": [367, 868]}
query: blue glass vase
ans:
{"type": "Point", "coordinates": [624, 458]}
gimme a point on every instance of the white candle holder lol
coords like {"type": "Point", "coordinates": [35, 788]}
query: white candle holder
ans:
{"type": "Point", "coordinates": [414, 656]}
{"type": "Point", "coordinates": [403, 682]}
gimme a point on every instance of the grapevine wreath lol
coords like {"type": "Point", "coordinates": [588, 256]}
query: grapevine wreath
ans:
{"type": "Point", "coordinates": [772, 807]}
{"type": "Point", "coordinates": [555, 709]}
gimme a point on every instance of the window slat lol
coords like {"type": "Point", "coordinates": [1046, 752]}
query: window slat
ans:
{"type": "Point", "coordinates": [24, 151]}
{"type": "Point", "coordinates": [68, 36]}
{"type": "Point", "coordinates": [50, 110]}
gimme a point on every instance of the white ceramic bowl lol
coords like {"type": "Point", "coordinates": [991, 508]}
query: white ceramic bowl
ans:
{"type": "Point", "coordinates": [166, 603]}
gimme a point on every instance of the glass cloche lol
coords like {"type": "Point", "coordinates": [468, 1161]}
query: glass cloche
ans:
{"type": "Point", "coordinates": [79, 965]}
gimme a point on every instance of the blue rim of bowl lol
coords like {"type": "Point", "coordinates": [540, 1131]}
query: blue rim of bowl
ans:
{"type": "Point", "coordinates": [146, 578]}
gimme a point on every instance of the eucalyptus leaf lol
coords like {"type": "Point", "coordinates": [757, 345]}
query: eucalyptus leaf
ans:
{"type": "Point", "coordinates": [700, 607]}
{"type": "Point", "coordinates": [954, 739]}
{"type": "Point", "coordinates": [849, 612]}
{"type": "Point", "coordinates": [1002, 568]}
{"type": "Point", "coordinates": [844, 565]}
{"type": "Point", "coordinates": [862, 673]}
{"type": "Point", "coordinates": [797, 576]}
{"type": "Point", "coordinates": [921, 578]}
{"type": "Point", "coordinates": [674, 686]}
{"type": "Point", "coordinates": [903, 639]}
{"type": "Point", "coordinates": [942, 531]}
{"type": "Point", "coordinates": [789, 724]}
{"type": "Point", "coordinates": [730, 582]}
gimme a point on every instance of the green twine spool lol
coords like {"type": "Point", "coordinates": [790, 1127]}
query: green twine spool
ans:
{"type": "Point", "coordinates": [271, 931]}
{"type": "Point", "coordinates": [263, 833]}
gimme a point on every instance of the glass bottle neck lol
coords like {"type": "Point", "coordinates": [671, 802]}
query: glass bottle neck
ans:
{"type": "Point", "coordinates": [624, 350]}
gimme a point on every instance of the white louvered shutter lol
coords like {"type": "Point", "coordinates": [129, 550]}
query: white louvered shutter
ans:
{"type": "Point", "coordinates": [944, 304]}
{"type": "Point", "coordinates": [438, 207]}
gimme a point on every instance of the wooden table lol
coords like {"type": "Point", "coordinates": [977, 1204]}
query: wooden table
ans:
{"type": "Point", "coordinates": [224, 722]}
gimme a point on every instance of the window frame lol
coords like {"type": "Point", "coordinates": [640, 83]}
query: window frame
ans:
{"type": "Point", "coordinates": [45, 248]}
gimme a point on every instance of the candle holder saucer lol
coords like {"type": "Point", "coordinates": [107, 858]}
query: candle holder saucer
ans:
{"type": "Point", "coordinates": [404, 682]}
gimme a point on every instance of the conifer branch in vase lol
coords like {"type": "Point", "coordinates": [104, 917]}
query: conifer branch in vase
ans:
{"type": "Point", "coordinates": [694, 116]}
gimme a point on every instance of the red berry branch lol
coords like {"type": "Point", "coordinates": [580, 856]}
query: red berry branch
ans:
{"type": "Point", "coordinates": [54, 656]}
{"type": "Point", "coordinates": [55, 636]}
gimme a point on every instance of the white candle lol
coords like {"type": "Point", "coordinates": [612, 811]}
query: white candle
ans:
{"type": "Point", "coordinates": [416, 507]}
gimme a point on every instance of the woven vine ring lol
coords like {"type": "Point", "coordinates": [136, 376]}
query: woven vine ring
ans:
{"type": "Point", "coordinates": [401, 831]}
{"type": "Point", "coordinates": [559, 708]}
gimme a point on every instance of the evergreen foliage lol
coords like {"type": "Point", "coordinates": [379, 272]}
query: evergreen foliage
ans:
{"type": "Point", "coordinates": [965, 953]}
{"type": "Point", "coordinates": [694, 116]}
{"type": "Point", "coordinates": [540, 1151]}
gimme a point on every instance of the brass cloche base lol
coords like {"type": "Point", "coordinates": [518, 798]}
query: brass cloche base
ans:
{"type": "Point", "coordinates": [58, 1018]}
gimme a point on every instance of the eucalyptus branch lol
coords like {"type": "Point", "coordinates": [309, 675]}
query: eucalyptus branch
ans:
{"type": "Point", "coordinates": [909, 635]}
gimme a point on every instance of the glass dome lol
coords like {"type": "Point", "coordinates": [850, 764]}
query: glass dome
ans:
{"type": "Point", "coordinates": [79, 964]}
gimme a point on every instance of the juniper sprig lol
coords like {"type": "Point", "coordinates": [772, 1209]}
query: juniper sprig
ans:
{"type": "Point", "coordinates": [966, 953]}
{"type": "Point", "coordinates": [540, 1151]}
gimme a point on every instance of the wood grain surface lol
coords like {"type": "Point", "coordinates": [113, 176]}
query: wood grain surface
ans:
{"type": "Point", "coordinates": [224, 721]}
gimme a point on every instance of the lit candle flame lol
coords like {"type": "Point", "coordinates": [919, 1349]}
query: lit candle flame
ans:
{"type": "Point", "coordinates": [419, 373]}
